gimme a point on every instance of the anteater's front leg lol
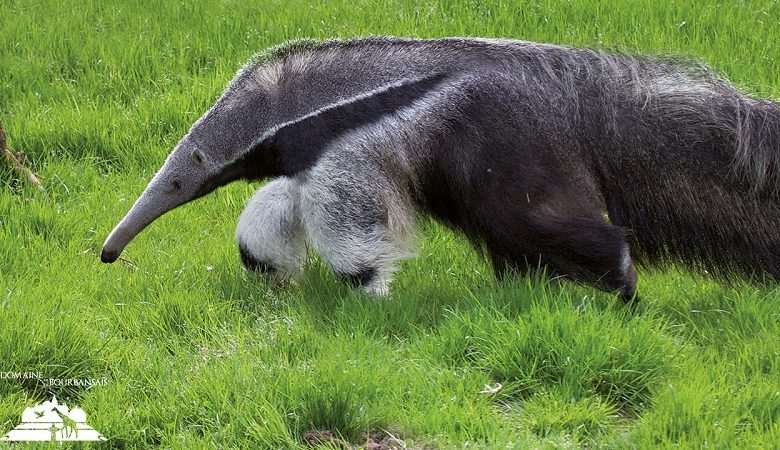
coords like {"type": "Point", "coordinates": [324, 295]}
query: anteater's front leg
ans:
{"type": "Point", "coordinates": [269, 232]}
{"type": "Point", "coordinates": [358, 219]}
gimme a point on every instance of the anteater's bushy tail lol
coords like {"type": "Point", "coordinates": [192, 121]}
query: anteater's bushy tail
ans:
{"type": "Point", "coordinates": [694, 169]}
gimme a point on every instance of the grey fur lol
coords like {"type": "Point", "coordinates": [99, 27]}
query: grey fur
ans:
{"type": "Point", "coordinates": [523, 147]}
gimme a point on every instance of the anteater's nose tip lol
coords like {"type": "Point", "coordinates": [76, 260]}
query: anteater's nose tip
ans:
{"type": "Point", "coordinates": [109, 256]}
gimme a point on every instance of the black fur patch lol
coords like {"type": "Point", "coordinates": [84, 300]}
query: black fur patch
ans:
{"type": "Point", "coordinates": [299, 145]}
{"type": "Point", "coordinates": [360, 278]}
{"type": "Point", "coordinates": [253, 264]}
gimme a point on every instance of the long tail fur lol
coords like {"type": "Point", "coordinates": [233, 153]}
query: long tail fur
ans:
{"type": "Point", "coordinates": [691, 168]}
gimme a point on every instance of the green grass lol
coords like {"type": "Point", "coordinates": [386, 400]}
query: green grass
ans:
{"type": "Point", "coordinates": [200, 354]}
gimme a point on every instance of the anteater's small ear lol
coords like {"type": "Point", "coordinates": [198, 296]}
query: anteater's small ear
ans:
{"type": "Point", "coordinates": [197, 156]}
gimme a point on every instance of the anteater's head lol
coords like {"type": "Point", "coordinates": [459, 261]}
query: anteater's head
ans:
{"type": "Point", "coordinates": [222, 146]}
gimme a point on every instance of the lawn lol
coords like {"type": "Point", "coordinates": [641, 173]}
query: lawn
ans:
{"type": "Point", "coordinates": [198, 353]}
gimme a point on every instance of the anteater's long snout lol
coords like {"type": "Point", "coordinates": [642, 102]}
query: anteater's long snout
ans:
{"type": "Point", "coordinates": [155, 201]}
{"type": "Point", "coordinates": [180, 180]}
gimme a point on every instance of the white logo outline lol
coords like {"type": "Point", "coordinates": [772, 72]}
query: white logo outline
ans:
{"type": "Point", "coordinates": [53, 421]}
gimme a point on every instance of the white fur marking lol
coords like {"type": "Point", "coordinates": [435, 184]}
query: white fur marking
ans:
{"type": "Point", "coordinates": [270, 230]}
{"type": "Point", "coordinates": [625, 261]}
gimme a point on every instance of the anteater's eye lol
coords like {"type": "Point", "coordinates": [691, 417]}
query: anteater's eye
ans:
{"type": "Point", "coordinates": [197, 156]}
{"type": "Point", "coordinates": [175, 185]}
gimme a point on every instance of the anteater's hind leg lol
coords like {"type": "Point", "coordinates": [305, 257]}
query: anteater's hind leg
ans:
{"type": "Point", "coordinates": [269, 232]}
{"type": "Point", "coordinates": [569, 238]}
{"type": "Point", "coordinates": [589, 250]}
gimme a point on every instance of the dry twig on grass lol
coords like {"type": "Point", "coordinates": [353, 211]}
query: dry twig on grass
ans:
{"type": "Point", "coordinates": [18, 162]}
